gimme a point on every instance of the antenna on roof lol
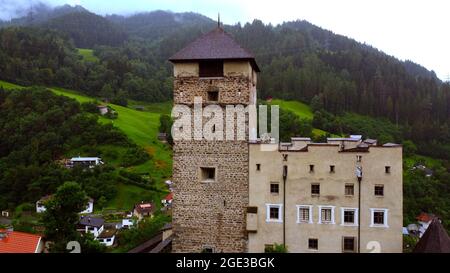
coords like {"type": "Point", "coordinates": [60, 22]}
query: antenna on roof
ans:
{"type": "Point", "coordinates": [218, 19]}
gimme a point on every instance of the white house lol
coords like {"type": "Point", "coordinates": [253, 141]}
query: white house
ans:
{"type": "Point", "coordinates": [103, 109]}
{"type": "Point", "coordinates": [40, 205]}
{"type": "Point", "coordinates": [424, 220]}
{"type": "Point", "coordinates": [107, 237]}
{"type": "Point", "coordinates": [167, 201]}
{"type": "Point", "coordinates": [85, 161]}
{"type": "Point", "coordinates": [92, 225]}
{"type": "Point", "coordinates": [127, 223]}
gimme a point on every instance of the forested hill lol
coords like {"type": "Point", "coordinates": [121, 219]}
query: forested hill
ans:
{"type": "Point", "coordinates": [299, 61]}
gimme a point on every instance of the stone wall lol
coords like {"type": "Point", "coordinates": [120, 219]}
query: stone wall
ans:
{"type": "Point", "coordinates": [210, 214]}
{"type": "Point", "coordinates": [232, 90]}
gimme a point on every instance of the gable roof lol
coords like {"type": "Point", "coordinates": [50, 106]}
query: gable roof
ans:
{"type": "Point", "coordinates": [216, 44]}
{"type": "Point", "coordinates": [434, 240]}
{"type": "Point", "coordinates": [91, 221]}
{"type": "Point", "coordinates": [169, 197]}
{"type": "Point", "coordinates": [19, 242]}
{"type": "Point", "coordinates": [144, 208]}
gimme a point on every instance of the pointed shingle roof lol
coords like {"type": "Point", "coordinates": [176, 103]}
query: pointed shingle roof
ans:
{"type": "Point", "coordinates": [434, 240]}
{"type": "Point", "coordinates": [216, 44]}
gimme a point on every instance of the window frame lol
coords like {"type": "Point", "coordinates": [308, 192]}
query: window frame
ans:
{"type": "Point", "coordinates": [332, 220]}
{"type": "Point", "coordinates": [355, 217]}
{"type": "Point", "coordinates": [353, 189]}
{"type": "Point", "coordinates": [310, 218]}
{"type": "Point", "coordinates": [315, 184]}
{"type": "Point", "coordinates": [354, 244]}
{"type": "Point", "coordinates": [316, 244]}
{"type": "Point", "coordinates": [385, 217]}
{"type": "Point", "coordinates": [375, 190]}
{"type": "Point", "coordinates": [280, 213]}
{"type": "Point", "coordinates": [278, 188]}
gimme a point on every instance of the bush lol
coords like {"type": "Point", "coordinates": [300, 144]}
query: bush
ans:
{"type": "Point", "coordinates": [89, 107]}
{"type": "Point", "coordinates": [135, 156]}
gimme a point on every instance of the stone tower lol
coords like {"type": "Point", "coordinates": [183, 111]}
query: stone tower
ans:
{"type": "Point", "coordinates": [211, 178]}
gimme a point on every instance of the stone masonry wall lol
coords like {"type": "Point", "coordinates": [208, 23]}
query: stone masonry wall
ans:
{"type": "Point", "coordinates": [232, 90]}
{"type": "Point", "coordinates": [210, 214]}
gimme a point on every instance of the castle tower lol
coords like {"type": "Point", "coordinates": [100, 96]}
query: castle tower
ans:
{"type": "Point", "coordinates": [211, 178]}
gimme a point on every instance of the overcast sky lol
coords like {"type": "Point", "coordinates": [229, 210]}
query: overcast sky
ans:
{"type": "Point", "coordinates": [417, 30]}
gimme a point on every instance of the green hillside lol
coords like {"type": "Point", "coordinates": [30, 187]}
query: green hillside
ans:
{"type": "Point", "coordinates": [300, 109]}
{"type": "Point", "coordinates": [142, 128]}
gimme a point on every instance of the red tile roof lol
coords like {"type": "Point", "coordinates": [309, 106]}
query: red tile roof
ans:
{"type": "Point", "coordinates": [19, 242]}
{"type": "Point", "coordinates": [216, 44]}
{"type": "Point", "coordinates": [169, 197]}
{"type": "Point", "coordinates": [424, 217]}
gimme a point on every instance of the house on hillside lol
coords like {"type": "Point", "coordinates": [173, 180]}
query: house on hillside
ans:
{"type": "Point", "coordinates": [20, 242]}
{"type": "Point", "coordinates": [107, 237]}
{"type": "Point", "coordinates": [167, 201]}
{"type": "Point", "coordinates": [103, 109]}
{"type": "Point", "coordinates": [424, 220]}
{"type": "Point", "coordinates": [88, 162]}
{"type": "Point", "coordinates": [94, 225]}
{"type": "Point", "coordinates": [40, 205]}
{"type": "Point", "coordinates": [143, 210]}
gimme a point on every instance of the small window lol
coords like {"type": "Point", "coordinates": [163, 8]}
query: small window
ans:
{"type": "Point", "coordinates": [387, 169]}
{"type": "Point", "coordinates": [313, 244]}
{"type": "Point", "coordinates": [326, 215]}
{"type": "Point", "coordinates": [211, 68]}
{"type": "Point", "coordinates": [348, 244]}
{"type": "Point", "coordinates": [274, 188]}
{"type": "Point", "coordinates": [213, 96]}
{"type": "Point", "coordinates": [311, 168]}
{"type": "Point", "coordinates": [331, 168]}
{"type": "Point", "coordinates": [378, 217]}
{"type": "Point", "coordinates": [349, 189]}
{"type": "Point", "coordinates": [208, 249]}
{"type": "Point", "coordinates": [304, 214]}
{"type": "Point", "coordinates": [315, 189]}
{"type": "Point", "coordinates": [208, 174]}
{"type": "Point", "coordinates": [258, 167]}
{"type": "Point", "coordinates": [349, 216]}
{"type": "Point", "coordinates": [379, 190]}
{"type": "Point", "coordinates": [358, 158]}
{"type": "Point", "coordinates": [274, 213]}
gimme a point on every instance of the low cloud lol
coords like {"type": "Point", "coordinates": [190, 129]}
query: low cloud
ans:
{"type": "Point", "coordinates": [16, 8]}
